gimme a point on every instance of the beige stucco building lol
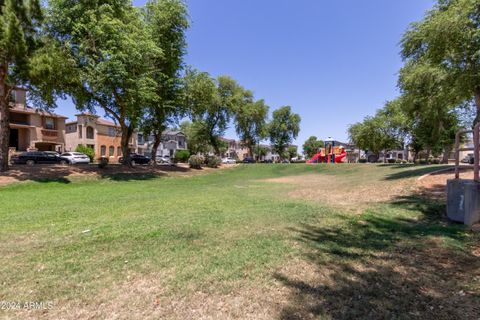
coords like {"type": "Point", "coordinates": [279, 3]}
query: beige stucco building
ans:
{"type": "Point", "coordinates": [102, 135]}
{"type": "Point", "coordinates": [34, 129]}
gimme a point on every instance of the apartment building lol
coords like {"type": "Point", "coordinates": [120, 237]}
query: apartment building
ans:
{"type": "Point", "coordinates": [172, 141]}
{"type": "Point", "coordinates": [33, 129]}
{"type": "Point", "coordinates": [102, 135]}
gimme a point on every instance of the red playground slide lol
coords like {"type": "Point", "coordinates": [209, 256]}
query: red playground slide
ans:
{"type": "Point", "coordinates": [318, 158]}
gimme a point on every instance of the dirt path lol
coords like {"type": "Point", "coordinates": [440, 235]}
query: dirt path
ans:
{"type": "Point", "coordinates": [434, 185]}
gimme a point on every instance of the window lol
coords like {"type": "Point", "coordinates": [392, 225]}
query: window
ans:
{"type": "Point", "coordinates": [112, 132]}
{"type": "Point", "coordinates": [13, 96]}
{"type": "Point", "coordinates": [50, 123]}
{"type": "Point", "coordinates": [140, 139]}
{"type": "Point", "coordinates": [103, 151]}
{"type": "Point", "coordinates": [111, 150]}
{"type": "Point", "coordinates": [71, 128]}
{"type": "Point", "coordinates": [119, 151]}
{"type": "Point", "coordinates": [80, 131]}
{"type": "Point", "coordinates": [89, 133]}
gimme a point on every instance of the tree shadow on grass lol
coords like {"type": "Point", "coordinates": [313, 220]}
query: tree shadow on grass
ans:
{"type": "Point", "coordinates": [65, 173]}
{"type": "Point", "coordinates": [380, 266]}
{"type": "Point", "coordinates": [418, 171]}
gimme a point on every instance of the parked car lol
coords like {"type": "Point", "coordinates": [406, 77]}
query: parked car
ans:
{"type": "Point", "coordinates": [136, 158]}
{"type": "Point", "coordinates": [229, 161]}
{"type": "Point", "coordinates": [76, 157]}
{"type": "Point", "coordinates": [38, 157]}
{"type": "Point", "coordinates": [469, 158]}
{"type": "Point", "coordinates": [163, 159]}
{"type": "Point", "coordinates": [267, 161]}
{"type": "Point", "coordinates": [249, 160]}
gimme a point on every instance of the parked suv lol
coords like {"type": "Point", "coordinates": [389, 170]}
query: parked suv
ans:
{"type": "Point", "coordinates": [39, 157]}
{"type": "Point", "coordinates": [136, 158]}
{"type": "Point", "coordinates": [249, 160]}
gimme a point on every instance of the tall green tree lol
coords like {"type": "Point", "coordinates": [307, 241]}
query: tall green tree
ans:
{"type": "Point", "coordinates": [311, 146]}
{"type": "Point", "coordinates": [20, 23]}
{"type": "Point", "coordinates": [114, 57]}
{"type": "Point", "coordinates": [292, 152]}
{"type": "Point", "coordinates": [431, 106]}
{"type": "Point", "coordinates": [197, 143]}
{"type": "Point", "coordinates": [166, 22]}
{"type": "Point", "coordinates": [447, 42]}
{"type": "Point", "coordinates": [283, 128]}
{"type": "Point", "coordinates": [374, 134]}
{"type": "Point", "coordinates": [251, 122]}
{"type": "Point", "coordinates": [212, 104]}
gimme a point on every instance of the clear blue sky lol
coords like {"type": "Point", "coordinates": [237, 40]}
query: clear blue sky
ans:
{"type": "Point", "coordinates": [334, 62]}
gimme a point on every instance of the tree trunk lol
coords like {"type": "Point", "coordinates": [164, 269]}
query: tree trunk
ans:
{"type": "Point", "coordinates": [157, 135]}
{"type": "Point", "coordinates": [477, 104]}
{"type": "Point", "coordinates": [4, 121]}
{"type": "Point", "coordinates": [126, 135]}
{"type": "Point", "coordinates": [446, 154]}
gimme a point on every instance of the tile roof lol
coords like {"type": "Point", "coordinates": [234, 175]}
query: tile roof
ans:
{"type": "Point", "coordinates": [30, 110]}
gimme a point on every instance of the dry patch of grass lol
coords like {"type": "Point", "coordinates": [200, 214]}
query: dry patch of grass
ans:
{"type": "Point", "coordinates": [149, 297]}
{"type": "Point", "coordinates": [340, 191]}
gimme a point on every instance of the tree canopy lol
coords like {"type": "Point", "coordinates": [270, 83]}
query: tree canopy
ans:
{"type": "Point", "coordinates": [114, 58]}
{"type": "Point", "coordinates": [283, 128]}
{"type": "Point", "coordinates": [251, 121]}
{"type": "Point", "coordinates": [444, 47]}
{"type": "Point", "coordinates": [311, 146]}
{"type": "Point", "coordinates": [212, 104]}
{"type": "Point", "coordinates": [20, 27]}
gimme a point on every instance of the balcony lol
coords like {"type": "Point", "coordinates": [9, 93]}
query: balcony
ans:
{"type": "Point", "coordinates": [19, 119]}
{"type": "Point", "coordinates": [49, 134]}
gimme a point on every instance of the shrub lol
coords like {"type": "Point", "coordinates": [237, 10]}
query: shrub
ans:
{"type": "Point", "coordinates": [362, 160]}
{"type": "Point", "coordinates": [435, 161]}
{"type": "Point", "coordinates": [213, 161]}
{"type": "Point", "coordinates": [86, 150]}
{"type": "Point", "coordinates": [182, 155]}
{"type": "Point", "coordinates": [196, 162]}
{"type": "Point", "coordinates": [391, 160]}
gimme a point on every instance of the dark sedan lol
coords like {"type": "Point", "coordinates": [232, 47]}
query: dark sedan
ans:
{"type": "Point", "coordinates": [138, 159]}
{"type": "Point", "coordinates": [38, 157]}
{"type": "Point", "coordinates": [249, 160]}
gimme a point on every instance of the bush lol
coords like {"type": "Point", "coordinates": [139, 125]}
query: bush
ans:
{"type": "Point", "coordinates": [362, 160]}
{"type": "Point", "coordinates": [213, 161]}
{"type": "Point", "coordinates": [435, 161]}
{"type": "Point", "coordinates": [182, 155]}
{"type": "Point", "coordinates": [391, 160]}
{"type": "Point", "coordinates": [86, 150]}
{"type": "Point", "coordinates": [196, 162]}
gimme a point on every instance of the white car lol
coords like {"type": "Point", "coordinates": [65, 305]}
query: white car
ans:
{"type": "Point", "coordinates": [163, 159]}
{"type": "Point", "coordinates": [229, 161]}
{"type": "Point", "coordinates": [75, 157]}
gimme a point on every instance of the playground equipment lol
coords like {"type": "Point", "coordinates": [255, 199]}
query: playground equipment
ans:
{"type": "Point", "coordinates": [330, 153]}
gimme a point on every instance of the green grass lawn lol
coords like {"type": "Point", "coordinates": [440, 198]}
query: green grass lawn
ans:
{"type": "Point", "coordinates": [82, 243]}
